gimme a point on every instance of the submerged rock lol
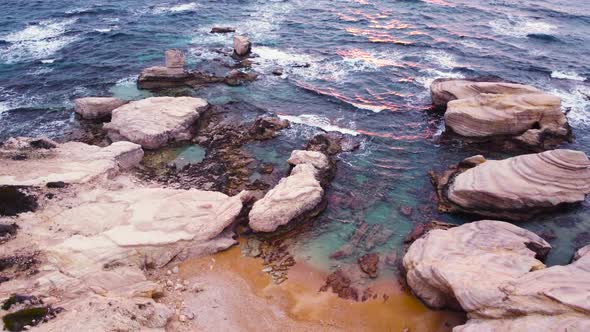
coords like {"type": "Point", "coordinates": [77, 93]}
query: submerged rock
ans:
{"type": "Point", "coordinates": [96, 107]}
{"type": "Point", "coordinates": [491, 270]}
{"type": "Point", "coordinates": [71, 162]}
{"type": "Point", "coordinates": [157, 121]}
{"type": "Point", "coordinates": [522, 186]}
{"type": "Point", "coordinates": [341, 284]}
{"type": "Point", "coordinates": [369, 264]}
{"type": "Point", "coordinates": [242, 45]}
{"type": "Point", "coordinates": [293, 197]}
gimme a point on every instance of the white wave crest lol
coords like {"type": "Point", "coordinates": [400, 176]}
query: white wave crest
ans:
{"type": "Point", "coordinates": [432, 74]}
{"type": "Point", "coordinates": [317, 121]}
{"type": "Point", "coordinates": [567, 76]}
{"type": "Point", "coordinates": [442, 59]}
{"type": "Point", "coordinates": [37, 41]}
{"type": "Point", "coordinates": [521, 27]}
{"type": "Point", "coordinates": [577, 100]}
{"type": "Point", "coordinates": [185, 7]}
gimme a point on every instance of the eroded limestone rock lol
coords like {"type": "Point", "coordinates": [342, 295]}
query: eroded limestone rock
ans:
{"type": "Point", "coordinates": [95, 245]}
{"type": "Point", "coordinates": [314, 158]}
{"type": "Point", "coordinates": [295, 195]}
{"type": "Point", "coordinates": [491, 115]}
{"type": "Point", "coordinates": [524, 184]}
{"type": "Point", "coordinates": [445, 90]}
{"type": "Point", "coordinates": [516, 113]}
{"type": "Point", "coordinates": [71, 162]}
{"type": "Point", "coordinates": [96, 107]}
{"type": "Point", "coordinates": [157, 121]}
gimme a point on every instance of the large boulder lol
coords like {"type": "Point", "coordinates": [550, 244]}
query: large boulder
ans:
{"type": "Point", "coordinates": [157, 121]}
{"type": "Point", "coordinates": [490, 270]}
{"type": "Point", "coordinates": [491, 115]}
{"type": "Point", "coordinates": [522, 185]}
{"type": "Point", "coordinates": [294, 197]}
{"type": "Point", "coordinates": [24, 163]}
{"type": "Point", "coordinates": [516, 113]}
{"type": "Point", "coordinates": [462, 267]}
{"type": "Point", "coordinates": [96, 107]}
{"type": "Point", "coordinates": [445, 90]}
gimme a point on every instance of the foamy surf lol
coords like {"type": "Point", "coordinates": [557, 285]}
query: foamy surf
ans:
{"type": "Point", "coordinates": [37, 41]}
{"type": "Point", "coordinates": [577, 101]}
{"type": "Point", "coordinates": [522, 27]}
{"type": "Point", "coordinates": [567, 76]}
{"type": "Point", "coordinates": [317, 121]}
{"type": "Point", "coordinates": [185, 7]}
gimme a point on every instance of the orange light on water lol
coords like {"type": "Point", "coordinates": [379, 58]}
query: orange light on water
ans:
{"type": "Point", "coordinates": [376, 36]}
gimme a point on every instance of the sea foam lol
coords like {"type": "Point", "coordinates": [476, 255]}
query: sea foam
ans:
{"type": "Point", "coordinates": [36, 41]}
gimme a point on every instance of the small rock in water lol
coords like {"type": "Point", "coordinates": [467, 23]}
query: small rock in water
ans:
{"type": "Point", "coordinates": [222, 30]}
{"type": "Point", "coordinates": [277, 71]}
{"type": "Point", "coordinates": [169, 272]}
{"type": "Point", "coordinates": [242, 45]}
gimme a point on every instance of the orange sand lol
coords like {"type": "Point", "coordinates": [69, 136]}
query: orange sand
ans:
{"type": "Point", "coordinates": [298, 298]}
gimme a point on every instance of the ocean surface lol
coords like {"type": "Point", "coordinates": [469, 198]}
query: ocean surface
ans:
{"type": "Point", "coordinates": [370, 66]}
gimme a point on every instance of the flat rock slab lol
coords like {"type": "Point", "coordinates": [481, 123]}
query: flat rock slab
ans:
{"type": "Point", "coordinates": [156, 224]}
{"type": "Point", "coordinates": [295, 195]}
{"type": "Point", "coordinates": [523, 183]}
{"type": "Point", "coordinates": [95, 243]}
{"type": "Point", "coordinates": [97, 107]}
{"type": "Point", "coordinates": [72, 162]}
{"type": "Point", "coordinates": [488, 268]}
{"type": "Point", "coordinates": [155, 122]}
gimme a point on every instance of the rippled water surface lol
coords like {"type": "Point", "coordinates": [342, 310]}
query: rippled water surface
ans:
{"type": "Point", "coordinates": [370, 65]}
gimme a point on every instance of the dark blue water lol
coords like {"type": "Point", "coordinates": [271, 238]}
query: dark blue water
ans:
{"type": "Point", "coordinates": [370, 65]}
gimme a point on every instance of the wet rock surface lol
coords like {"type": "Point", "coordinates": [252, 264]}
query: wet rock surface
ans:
{"type": "Point", "coordinates": [225, 70]}
{"type": "Point", "coordinates": [223, 130]}
{"type": "Point", "coordinates": [516, 188]}
{"type": "Point", "coordinates": [369, 264]}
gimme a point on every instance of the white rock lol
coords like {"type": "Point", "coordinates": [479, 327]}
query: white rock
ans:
{"type": "Point", "coordinates": [155, 122]}
{"type": "Point", "coordinates": [314, 158]}
{"type": "Point", "coordinates": [96, 107]}
{"type": "Point", "coordinates": [71, 162]}
{"type": "Point", "coordinates": [295, 195]}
